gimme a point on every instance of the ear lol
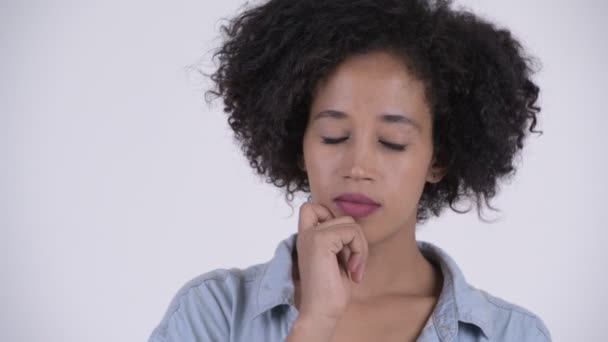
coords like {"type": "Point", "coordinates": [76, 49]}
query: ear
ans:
{"type": "Point", "coordinates": [435, 172]}
{"type": "Point", "coordinates": [302, 164]}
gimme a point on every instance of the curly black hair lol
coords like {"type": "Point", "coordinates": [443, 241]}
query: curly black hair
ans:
{"type": "Point", "coordinates": [477, 81]}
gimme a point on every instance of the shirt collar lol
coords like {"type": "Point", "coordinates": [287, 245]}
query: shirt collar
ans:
{"type": "Point", "coordinates": [275, 284]}
{"type": "Point", "coordinates": [458, 300]}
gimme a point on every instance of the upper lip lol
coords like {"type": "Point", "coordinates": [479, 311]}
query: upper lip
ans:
{"type": "Point", "coordinates": [355, 197]}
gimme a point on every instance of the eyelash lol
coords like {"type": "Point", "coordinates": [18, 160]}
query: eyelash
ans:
{"type": "Point", "coordinates": [395, 147]}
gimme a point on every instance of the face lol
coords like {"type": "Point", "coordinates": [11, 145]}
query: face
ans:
{"type": "Point", "coordinates": [369, 132]}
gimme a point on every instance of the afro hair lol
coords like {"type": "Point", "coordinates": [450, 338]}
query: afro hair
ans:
{"type": "Point", "coordinates": [477, 81]}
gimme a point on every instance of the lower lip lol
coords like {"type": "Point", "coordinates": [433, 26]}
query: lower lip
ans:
{"type": "Point", "coordinates": [356, 209]}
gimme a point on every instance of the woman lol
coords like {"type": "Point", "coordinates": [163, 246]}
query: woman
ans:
{"type": "Point", "coordinates": [385, 112]}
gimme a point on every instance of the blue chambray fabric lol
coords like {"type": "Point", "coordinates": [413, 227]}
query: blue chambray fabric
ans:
{"type": "Point", "coordinates": [257, 304]}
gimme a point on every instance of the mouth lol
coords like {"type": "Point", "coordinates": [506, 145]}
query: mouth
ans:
{"type": "Point", "coordinates": [356, 204]}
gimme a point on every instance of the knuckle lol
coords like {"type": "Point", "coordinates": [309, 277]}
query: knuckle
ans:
{"type": "Point", "coordinates": [304, 207]}
{"type": "Point", "coordinates": [345, 225]}
{"type": "Point", "coordinates": [346, 219]}
{"type": "Point", "coordinates": [350, 218]}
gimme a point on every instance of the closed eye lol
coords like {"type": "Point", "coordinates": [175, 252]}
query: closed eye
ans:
{"type": "Point", "coordinates": [392, 146]}
{"type": "Point", "coordinates": [333, 140]}
{"type": "Point", "coordinates": [387, 144]}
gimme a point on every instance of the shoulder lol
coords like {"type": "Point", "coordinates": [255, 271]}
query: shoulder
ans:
{"type": "Point", "coordinates": [217, 303]}
{"type": "Point", "coordinates": [497, 318]}
{"type": "Point", "coordinates": [222, 282]}
{"type": "Point", "coordinates": [510, 321]}
{"type": "Point", "coordinates": [205, 306]}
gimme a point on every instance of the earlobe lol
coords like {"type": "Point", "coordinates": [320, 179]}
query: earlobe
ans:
{"type": "Point", "coordinates": [436, 173]}
{"type": "Point", "coordinates": [431, 176]}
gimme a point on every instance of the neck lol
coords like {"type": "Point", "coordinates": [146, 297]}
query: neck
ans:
{"type": "Point", "coordinates": [395, 266]}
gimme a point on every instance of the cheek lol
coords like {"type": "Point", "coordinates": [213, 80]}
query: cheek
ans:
{"type": "Point", "coordinates": [322, 168]}
{"type": "Point", "coordinates": [319, 157]}
{"type": "Point", "coordinates": [404, 179]}
{"type": "Point", "coordinates": [317, 166]}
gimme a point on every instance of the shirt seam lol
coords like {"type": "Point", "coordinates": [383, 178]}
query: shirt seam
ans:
{"type": "Point", "coordinates": [451, 291]}
{"type": "Point", "coordinates": [542, 332]}
{"type": "Point", "coordinates": [257, 292]}
{"type": "Point", "coordinates": [508, 306]}
{"type": "Point", "coordinates": [185, 291]}
{"type": "Point", "coordinates": [512, 307]}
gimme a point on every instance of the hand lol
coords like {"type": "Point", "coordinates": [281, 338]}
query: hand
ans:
{"type": "Point", "coordinates": [331, 257]}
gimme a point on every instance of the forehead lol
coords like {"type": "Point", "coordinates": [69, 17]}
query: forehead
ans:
{"type": "Point", "coordinates": [371, 84]}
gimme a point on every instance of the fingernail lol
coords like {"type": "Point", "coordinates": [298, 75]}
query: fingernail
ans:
{"type": "Point", "coordinates": [360, 270]}
{"type": "Point", "coordinates": [356, 262]}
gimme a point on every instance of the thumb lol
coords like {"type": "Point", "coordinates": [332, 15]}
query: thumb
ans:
{"type": "Point", "coordinates": [312, 214]}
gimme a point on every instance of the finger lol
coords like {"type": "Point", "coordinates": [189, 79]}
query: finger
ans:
{"type": "Point", "coordinates": [354, 260]}
{"type": "Point", "coordinates": [360, 259]}
{"type": "Point", "coordinates": [311, 214]}
{"type": "Point", "coordinates": [345, 254]}
{"type": "Point", "coordinates": [344, 257]}
{"type": "Point", "coordinates": [359, 272]}
{"type": "Point", "coordinates": [346, 235]}
{"type": "Point", "coordinates": [336, 221]}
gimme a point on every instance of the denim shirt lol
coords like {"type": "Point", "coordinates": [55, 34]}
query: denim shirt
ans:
{"type": "Point", "coordinates": [257, 304]}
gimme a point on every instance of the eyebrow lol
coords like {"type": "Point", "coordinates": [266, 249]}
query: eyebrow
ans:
{"type": "Point", "coordinates": [384, 117]}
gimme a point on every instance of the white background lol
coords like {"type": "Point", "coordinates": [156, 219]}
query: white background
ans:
{"type": "Point", "coordinates": [118, 183]}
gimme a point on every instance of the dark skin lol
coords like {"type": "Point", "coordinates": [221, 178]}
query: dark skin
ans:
{"type": "Point", "coordinates": [385, 288]}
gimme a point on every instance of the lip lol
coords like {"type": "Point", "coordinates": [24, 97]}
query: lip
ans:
{"type": "Point", "coordinates": [356, 198]}
{"type": "Point", "coordinates": [356, 204]}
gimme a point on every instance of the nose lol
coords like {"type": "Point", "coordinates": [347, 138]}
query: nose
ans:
{"type": "Point", "coordinates": [360, 161]}
{"type": "Point", "coordinates": [358, 173]}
